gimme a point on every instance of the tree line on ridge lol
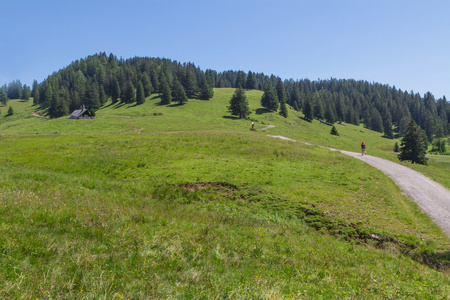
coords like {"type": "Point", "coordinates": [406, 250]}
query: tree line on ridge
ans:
{"type": "Point", "coordinates": [96, 79]}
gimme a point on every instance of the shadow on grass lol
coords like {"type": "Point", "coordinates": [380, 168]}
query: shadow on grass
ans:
{"type": "Point", "coordinates": [260, 111]}
{"type": "Point", "coordinates": [304, 119]}
{"type": "Point", "coordinates": [230, 117]}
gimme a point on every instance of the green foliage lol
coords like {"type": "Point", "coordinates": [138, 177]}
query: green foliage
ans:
{"type": "Point", "coordinates": [413, 147]}
{"type": "Point", "coordinates": [281, 93]}
{"type": "Point", "coordinates": [334, 131]}
{"type": "Point", "coordinates": [330, 115]}
{"type": "Point", "coordinates": [308, 110]}
{"type": "Point", "coordinates": [129, 95]}
{"type": "Point", "coordinates": [115, 90]}
{"type": "Point", "coordinates": [387, 125]}
{"type": "Point", "coordinates": [190, 82]}
{"type": "Point", "coordinates": [239, 104]}
{"type": "Point", "coordinates": [251, 82]}
{"type": "Point", "coordinates": [439, 145]}
{"type": "Point", "coordinates": [140, 96]}
{"type": "Point", "coordinates": [269, 99]}
{"type": "Point", "coordinates": [15, 90]}
{"type": "Point", "coordinates": [283, 109]}
{"type": "Point", "coordinates": [178, 93]}
{"type": "Point", "coordinates": [3, 96]}
{"type": "Point", "coordinates": [206, 91]}
{"type": "Point", "coordinates": [10, 111]}
{"type": "Point", "coordinates": [396, 147]}
{"type": "Point", "coordinates": [166, 93]}
{"type": "Point", "coordinates": [319, 110]}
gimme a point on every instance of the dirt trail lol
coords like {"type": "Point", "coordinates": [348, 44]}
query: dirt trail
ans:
{"type": "Point", "coordinates": [432, 197]}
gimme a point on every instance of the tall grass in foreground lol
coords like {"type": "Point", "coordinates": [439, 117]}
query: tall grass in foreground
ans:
{"type": "Point", "coordinates": [205, 217]}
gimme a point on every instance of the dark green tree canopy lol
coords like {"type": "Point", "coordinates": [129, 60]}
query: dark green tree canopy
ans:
{"type": "Point", "coordinates": [239, 104]}
{"type": "Point", "coordinates": [166, 94]}
{"type": "Point", "coordinates": [206, 91]}
{"type": "Point", "coordinates": [350, 100]}
{"type": "Point", "coordinates": [178, 94]}
{"type": "Point", "coordinates": [140, 95]}
{"type": "Point", "coordinates": [413, 147]}
{"type": "Point", "coordinates": [269, 99]}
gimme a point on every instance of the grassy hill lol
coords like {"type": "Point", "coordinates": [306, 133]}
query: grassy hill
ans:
{"type": "Point", "coordinates": [186, 202]}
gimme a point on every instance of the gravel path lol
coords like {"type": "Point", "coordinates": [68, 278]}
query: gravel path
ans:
{"type": "Point", "coordinates": [432, 197]}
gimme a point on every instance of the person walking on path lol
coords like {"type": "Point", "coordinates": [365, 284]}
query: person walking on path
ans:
{"type": "Point", "coordinates": [363, 148]}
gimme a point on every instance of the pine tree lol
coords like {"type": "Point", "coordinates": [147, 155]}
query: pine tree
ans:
{"type": "Point", "coordinates": [269, 99]}
{"type": "Point", "coordinates": [178, 93]}
{"type": "Point", "coordinates": [330, 117]}
{"type": "Point", "coordinates": [239, 104]}
{"type": "Point", "coordinates": [166, 93]}
{"type": "Point", "coordinates": [413, 146]}
{"type": "Point", "coordinates": [10, 111]}
{"type": "Point", "coordinates": [3, 95]}
{"type": "Point", "coordinates": [250, 83]}
{"type": "Point", "coordinates": [26, 92]}
{"type": "Point", "coordinates": [91, 97]}
{"type": "Point", "coordinates": [140, 96]}
{"type": "Point", "coordinates": [35, 92]}
{"type": "Point", "coordinates": [240, 79]}
{"type": "Point", "coordinates": [206, 91]}
{"type": "Point", "coordinates": [387, 126]}
{"type": "Point", "coordinates": [396, 147]}
{"type": "Point", "coordinates": [283, 109]}
{"type": "Point", "coordinates": [334, 131]}
{"type": "Point", "coordinates": [114, 90]}
{"type": "Point", "coordinates": [307, 110]}
{"type": "Point", "coordinates": [375, 121]}
{"type": "Point", "coordinates": [129, 94]}
{"type": "Point", "coordinates": [281, 93]}
{"type": "Point", "coordinates": [190, 82]}
{"type": "Point", "coordinates": [295, 98]}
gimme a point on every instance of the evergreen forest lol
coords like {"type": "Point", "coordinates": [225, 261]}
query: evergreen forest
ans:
{"type": "Point", "coordinates": [96, 79]}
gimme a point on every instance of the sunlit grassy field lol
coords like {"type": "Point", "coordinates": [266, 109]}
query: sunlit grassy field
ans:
{"type": "Point", "coordinates": [185, 202]}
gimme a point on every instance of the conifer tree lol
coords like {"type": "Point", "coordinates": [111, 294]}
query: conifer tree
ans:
{"type": "Point", "coordinates": [190, 83]}
{"type": "Point", "coordinates": [239, 104]}
{"type": "Point", "coordinates": [387, 126]}
{"type": "Point", "coordinates": [330, 117]}
{"type": "Point", "coordinates": [283, 109]}
{"type": "Point", "coordinates": [206, 91]}
{"type": "Point", "coordinates": [166, 93]}
{"type": "Point", "coordinates": [140, 96]}
{"type": "Point", "coordinates": [334, 131]}
{"type": "Point", "coordinates": [26, 92]}
{"type": "Point", "coordinates": [36, 92]}
{"type": "Point", "coordinates": [240, 79]}
{"type": "Point", "coordinates": [147, 84]}
{"type": "Point", "coordinates": [250, 83]}
{"type": "Point", "coordinates": [178, 93]}
{"type": "Point", "coordinates": [10, 111]}
{"type": "Point", "coordinates": [269, 99]}
{"type": "Point", "coordinates": [129, 93]}
{"type": "Point", "coordinates": [115, 90]}
{"type": "Point", "coordinates": [307, 110]}
{"type": "Point", "coordinates": [396, 147]}
{"type": "Point", "coordinates": [91, 97]}
{"type": "Point", "coordinates": [413, 146]}
{"type": "Point", "coordinates": [3, 95]}
{"type": "Point", "coordinates": [281, 93]}
{"type": "Point", "coordinates": [295, 98]}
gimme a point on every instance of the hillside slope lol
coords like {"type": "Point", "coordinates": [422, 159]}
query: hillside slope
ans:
{"type": "Point", "coordinates": [186, 202]}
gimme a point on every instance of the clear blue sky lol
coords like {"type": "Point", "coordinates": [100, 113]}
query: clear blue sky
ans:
{"type": "Point", "coordinates": [401, 43]}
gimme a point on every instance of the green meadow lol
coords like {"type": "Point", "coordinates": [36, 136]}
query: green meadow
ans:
{"type": "Point", "coordinates": [185, 202]}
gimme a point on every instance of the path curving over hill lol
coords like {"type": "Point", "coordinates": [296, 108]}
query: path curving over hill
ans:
{"type": "Point", "coordinates": [432, 197]}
